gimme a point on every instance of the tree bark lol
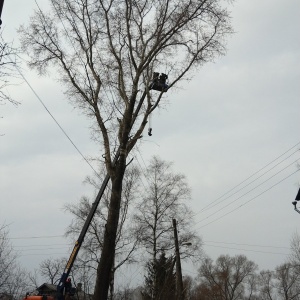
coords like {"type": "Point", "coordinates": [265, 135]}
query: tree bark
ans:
{"type": "Point", "coordinates": [108, 251]}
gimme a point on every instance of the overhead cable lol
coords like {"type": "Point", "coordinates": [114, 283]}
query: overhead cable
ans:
{"type": "Point", "coordinates": [233, 201]}
{"type": "Point", "coordinates": [211, 205]}
{"type": "Point", "coordinates": [36, 237]}
{"type": "Point", "coordinates": [253, 198]}
{"type": "Point", "coordinates": [213, 202]}
{"type": "Point", "coordinates": [247, 250]}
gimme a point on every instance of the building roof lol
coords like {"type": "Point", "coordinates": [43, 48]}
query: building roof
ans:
{"type": "Point", "coordinates": [52, 287]}
{"type": "Point", "coordinates": [5, 296]}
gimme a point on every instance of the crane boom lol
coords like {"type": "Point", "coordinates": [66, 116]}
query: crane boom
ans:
{"type": "Point", "coordinates": [78, 243]}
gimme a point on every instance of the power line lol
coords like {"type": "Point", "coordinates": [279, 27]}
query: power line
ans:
{"type": "Point", "coordinates": [189, 271]}
{"type": "Point", "coordinates": [250, 245]}
{"type": "Point", "coordinates": [36, 237]}
{"type": "Point", "coordinates": [42, 254]}
{"type": "Point", "coordinates": [44, 245]}
{"type": "Point", "coordinates": [142, 173]}
{"type": "Point", "coordinates": [141, 168]}
{"type": "Point", "coordinates": [39, 249]}
{"type": "Point", "coordinates": [54, 119]}
{"type": "Point", "coordinates": [249, 200]}
{"type": "Point", "coordinates": [135, 274]}
{"type": "Point", "coordinates": [264, 271]}
{"type": "Point", "coordinates": [213, 205]}
{"type": "Point", "coordinates": [248, 250]}
{"type": "Point", "coordinates": [206, 242]}
{"type": "Point", "coordinates": [247, 192]}
{"type": "Point", "coordinates": [207, 206]}
{"type": "Point", "coordinates": [51, 115]}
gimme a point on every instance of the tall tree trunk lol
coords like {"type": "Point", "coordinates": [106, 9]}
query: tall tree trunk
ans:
{"type": "Point", "coordinates": [108, 252]}
{"type": "Point", "coordinates": [112, 284]}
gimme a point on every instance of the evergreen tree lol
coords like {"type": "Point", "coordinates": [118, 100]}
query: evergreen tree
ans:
{"type": "Point", "coordinates": [160, 281]}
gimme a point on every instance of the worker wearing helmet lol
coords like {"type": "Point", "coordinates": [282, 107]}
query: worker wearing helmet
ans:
{"type": "Point", "coordinates": [68, 287]}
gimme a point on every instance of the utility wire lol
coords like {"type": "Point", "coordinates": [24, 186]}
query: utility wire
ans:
{"type": "Point", "coordinates": [247, 192]}
{"type": "Point", "coordinates": [216, 203]}
{"type": "Point", "coordinates": [141, 247]}
{"type": "Point", "coordinates": [141, 169]}
{"type": "Point", "coordinates": [248, 245]}
{"type": "Point", "coordinates": [137, 149]}
{"type": "Point", "coordinates": [51, 115]}
{"type": "Point", "coordinates": [43, 245]}
{"type": "Point", "coordinates": [248, 250]}
{"type": "Point", "coordinates": [135, 274]}
{"type": "Point", "coordinates": [206, 243]}
{"type": "Point", "coordinates": [36, 237]}
{"type": "Point", "coordinates": [42, 254]}
{"type": "Point", "coordinates": [207, 206]}
{"type": "Point", "coordinates": [189, 271]}
{"type": "Point", "coordinates": [54, 119]}
{"type": "Point", "coordinates": [43, 249]}
{"type": "Point", "coordinates": [249, 200]}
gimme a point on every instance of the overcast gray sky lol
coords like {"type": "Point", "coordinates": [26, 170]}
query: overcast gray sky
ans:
{"type": "Point", "coordinates": [233, 118]}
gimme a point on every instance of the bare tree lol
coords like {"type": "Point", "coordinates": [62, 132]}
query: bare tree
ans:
{"type": "Point", "coordinates": [13, 278]}
{"type": "Point", "coordinates": [252, 285]}
{"type": "Point", "coordinates": [227, 278]}
{"type": "Point", "coordinates": [287, 277]}
{"type": "Point", "coordinates": [126, 242]}
{"type": "Point", "coordinates": [267, 286]}
{"type": "Point", "coordinates": [51, 269]}
{"type": "Point", "coordinates": [7, 62]}
{"type": "Point", "coordinates": [188, 288]}
{"type": "Point", "coordinates": [283, 283]}
{"type": "Point", "coordinates": [7, 258]}
{"type": "Point", "coordinates": [163, 199]}
{"type": "Point", "coordinates": [33, 278]}
{"type": "Point", "coordinates": [294, 257]}
{"type": "Point", "coordinates": [106, 53]}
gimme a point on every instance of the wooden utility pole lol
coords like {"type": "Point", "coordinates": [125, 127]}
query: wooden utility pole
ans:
{"type": "Point", "coordinates": [179, 283]}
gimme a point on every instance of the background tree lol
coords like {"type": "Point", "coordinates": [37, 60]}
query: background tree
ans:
{"type": "Point", "coordinates": [287, 279]}
{"type": "Point", "coordinates": [160, 270]}
{"type": "Point", "coordinates": [252, 287]}
{"type": "Point", "coordinates": [267, 286]}
{"type": "Point", "coordinates": [283, 283]}
{"type": "Point", "coordinates": [106, 53]}
{"type": "Point", "coordinates": [294, 257]}
{"type": "Point", "coordinates": [7, 62]}
{"type": "Point", "coordinates": [13, 279]}
{"type": "Point", "coordinates": [189, 288]}
{"type": "Point", "coordinates": [51, 269]}
{"type": "Point", "coordinates": [126, 242]}
{"type": "Point", "coordinates": [227, 278]}
{"type": "Point", "coordinates": [163, 199]}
